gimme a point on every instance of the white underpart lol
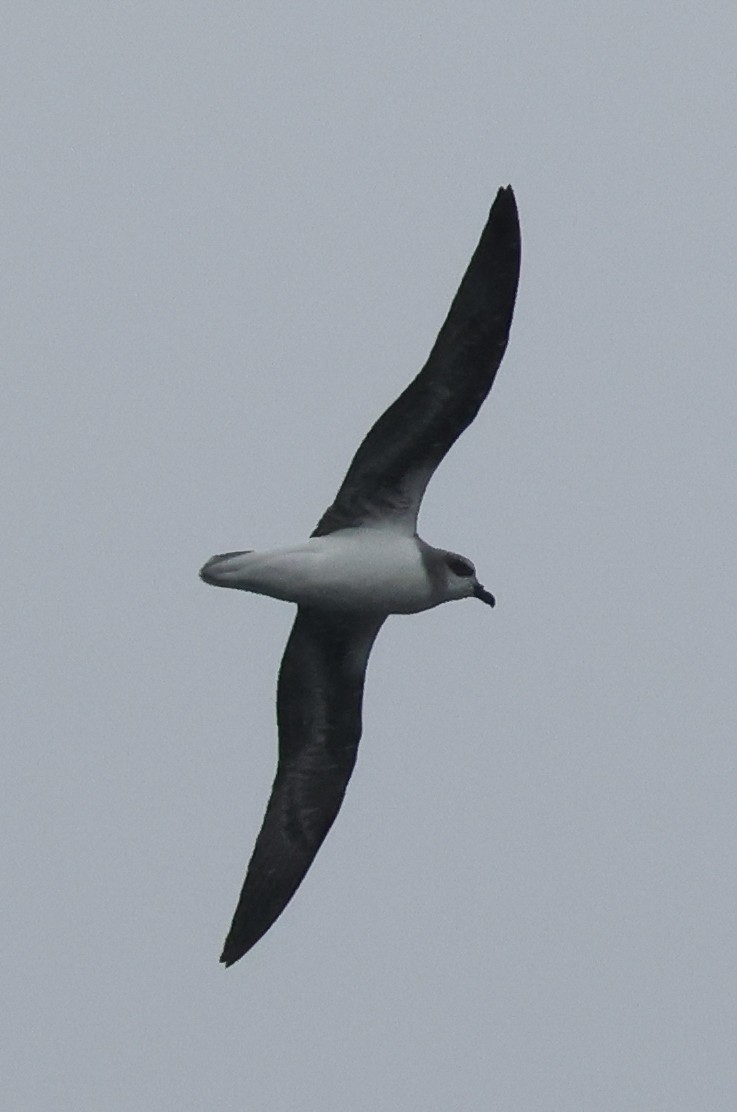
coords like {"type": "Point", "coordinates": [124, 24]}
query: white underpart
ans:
{"type": "Point", "coordinates": [352, 569]}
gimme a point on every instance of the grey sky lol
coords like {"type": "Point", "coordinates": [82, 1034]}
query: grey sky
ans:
{"type": "Point", "coordinates": [230, 234]}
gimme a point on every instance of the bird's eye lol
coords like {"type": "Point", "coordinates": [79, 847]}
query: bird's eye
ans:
{"type": "Point", "coordinates": [460, 566]}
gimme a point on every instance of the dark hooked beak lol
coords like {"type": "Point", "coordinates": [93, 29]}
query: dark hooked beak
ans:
{"type": "Point", "coordinates": [484, 595]}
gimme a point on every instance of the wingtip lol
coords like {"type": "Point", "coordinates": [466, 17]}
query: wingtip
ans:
{"type": "Point", "coordinates": [236, 948]}
{"type": "Point", "coordinates": [505, 198]}
{"type": "Point", "coordinates": [503, 223]}
{"type": "Point", "coordinates": [228, 958]}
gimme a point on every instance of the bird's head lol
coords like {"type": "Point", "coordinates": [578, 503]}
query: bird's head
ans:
{"type": "Point", "coordinates": [461, 579]}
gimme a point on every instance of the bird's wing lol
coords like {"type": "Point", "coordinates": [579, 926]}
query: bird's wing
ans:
{"type": "Point", "coordinates": [388, 475]}
{"type": "Point", "coordinates": [319, 697]}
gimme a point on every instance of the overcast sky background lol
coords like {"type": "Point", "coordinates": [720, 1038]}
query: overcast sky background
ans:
{"type": "Point", "coordinates": [230, 233]}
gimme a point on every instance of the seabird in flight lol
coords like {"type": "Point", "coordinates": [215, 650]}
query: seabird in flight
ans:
{"type": "Point", "coordinates": [363, 562]}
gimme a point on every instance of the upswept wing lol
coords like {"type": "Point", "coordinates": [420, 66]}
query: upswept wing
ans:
{"type": "Point", "coordinates": [387, 478]}
{"type": "Point", "coordinates": [319, 699]}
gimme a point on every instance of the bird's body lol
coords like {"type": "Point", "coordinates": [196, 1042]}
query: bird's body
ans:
{"type": "Point", "coordinates": [371, 570]}
{"type": "Point", "coordinates": [364, 562]}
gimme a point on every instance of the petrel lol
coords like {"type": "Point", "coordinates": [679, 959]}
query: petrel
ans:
{"type": "Point", "coordinates": [363, 562]}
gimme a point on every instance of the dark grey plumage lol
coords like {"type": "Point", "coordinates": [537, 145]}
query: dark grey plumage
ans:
{"type": "Point", "coordinates": [394, 462]}
{"type": "Point", "coordinates": [318, 709]}
{"type": "Point", "coordinates": [321, 679]}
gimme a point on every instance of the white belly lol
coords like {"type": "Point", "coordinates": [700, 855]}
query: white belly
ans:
{"type": "Point", "coordinates": [366, 569]}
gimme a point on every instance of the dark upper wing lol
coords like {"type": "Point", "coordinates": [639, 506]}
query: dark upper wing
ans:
{"type": "Point", "coordinates": [318, 706]}
{"type": "Point", "coordinates": [392, 466]}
